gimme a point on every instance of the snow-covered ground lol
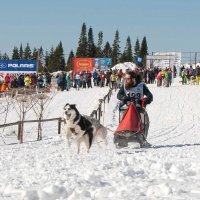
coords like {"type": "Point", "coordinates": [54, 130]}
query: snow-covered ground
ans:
{"type": "Point", "coordinates": [49, 170]}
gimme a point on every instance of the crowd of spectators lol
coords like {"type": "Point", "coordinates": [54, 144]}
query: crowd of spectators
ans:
{"type": "Point", "coordinates": [86, 79]}
{"type": "Point", "coordinates": [31, 80]}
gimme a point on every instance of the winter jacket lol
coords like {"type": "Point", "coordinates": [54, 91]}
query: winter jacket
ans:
{"type": "Point", "coordinates": [138, 91]}
{"type": "Point", "coordinates": [197, 71]}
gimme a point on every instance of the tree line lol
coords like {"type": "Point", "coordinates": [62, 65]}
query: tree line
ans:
{"type": "Point", "coordinates": [54, 59]}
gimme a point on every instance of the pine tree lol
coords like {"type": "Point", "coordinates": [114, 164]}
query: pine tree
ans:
{"type": "Point", "coordinates": [27, 52]}
{"type": "Point", "coordinates": [35, 54]}
{"type": "Point", "coordinates": [82, 44]}
{"type": "Point", "coordinates": [137, 51]}
{"type": "Point", "coordinates": [144, 51]}
{"type": "Point", "coordinates": [123, 57]}
{"type": "Point", "coordinates": [51, 63]}
{"type": "Point", "coordinates": [1, 57]}
{"type": "Point", "coordinates": [15, 54]}
{"type": "Point", "coordinates": [116, 49]}
{"type": "Point", "coordinates": [5, 56]}
{"type": "Point", "coordinates": [21, 52]}
{"type": "Point", "coordinates": [47, 59]}
{"type": "Point", "coordinates": [107, 51]}
{"type": "Point", "coordinates": [41, 60]}
{"type": "Point", "coordinates": [58, 60]}
{"type": "Point", "coordinates": [70, 61]}
{"type": "Point", "coordinates": [128, 54]}
{"type": "Point", "coordinates": [99, 51]}
{"type": "Point", "coordinates": [62, 58]}
{"type": "Point", "coordinates": [91, 47]}
{"type": "Point", "coordinates": [137, 48]}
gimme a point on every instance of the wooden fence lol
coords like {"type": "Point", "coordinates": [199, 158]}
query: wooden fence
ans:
{"type": "Point", "coordinates": [97, 113]}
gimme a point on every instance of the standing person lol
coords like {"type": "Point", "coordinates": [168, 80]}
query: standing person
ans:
{"type": "Point", "coordinates": [68, 82]}
{"type": "Point", "coordinates": [1, 80]}
{"type": "Point", "coordinates": [197, 74]}
{"type": "Point", "coordinates": [84, 80]}
{"type": "Point", "coordinates": [63, 81]}
{"type": "Point", "coordinates": [102, 77]}
{"type": "Point", "coordinates": [159, 78]}
{"type": "Point", "coordinates": [77, 81]}
{"type": "Point", "coordinates": [95, 78]}
{"type": "Point", "coordinates": [184, 76]}
{"type": "Point", "coordinates": [89, 79]}
{"type": "Point", "coordinates": [113, 79]}
{"type": "Point", "coordinates": [7, 81]}
{"type": "Point", "coordinates": [119, 78]}
{"type": "Point", "coordinates": [40, 81]}
{"type": "Point", "coordinates": [27, 81]}
{"type": "Point", "coordinates": [169, 77]}
{"type": "Point", "coordinates": [58, 81]}
{"type": "Point", "coordinates": [108, 74]}
{"type": "Point", "coordinates": [134, 88]}
{"type": "Point", "coordinates": [48, 79]}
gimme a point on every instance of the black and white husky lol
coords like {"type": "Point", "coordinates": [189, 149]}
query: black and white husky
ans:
{"type": "Point", "coordinates": [84, 128]}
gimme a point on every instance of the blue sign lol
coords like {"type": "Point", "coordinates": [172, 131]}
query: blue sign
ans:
{"type": "Point", "coordinates": [139, 59]}
{"type": "Point", "coordinates": [18, 66]}
{"type": "Point", "coordinates": [102, 64]}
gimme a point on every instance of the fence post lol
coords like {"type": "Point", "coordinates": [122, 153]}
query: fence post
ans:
{"type": "Point", "coordinates": [100, 110]}
{"type": "Point", "coordinates": [19, 130]}
{"type": "Point", "coordinates": [59, 125]}
{"type": "Point", "coordinates": [95, 114]}
{"type": "Point", "coordinates": [108, 96]}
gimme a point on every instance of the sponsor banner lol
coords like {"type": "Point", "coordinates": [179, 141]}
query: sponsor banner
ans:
{"type": "Point", "coordinates": [102, 64]}
{"type": "Point", "coordinates": [83, 64]}
{"type": "Point", "coordinates": [18, 66]}
{"type": "Point", "coordinates": [164, 59]}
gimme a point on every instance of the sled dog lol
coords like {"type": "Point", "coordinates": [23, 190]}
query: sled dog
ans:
{"type": "Point", "coordinates": [83, 128]}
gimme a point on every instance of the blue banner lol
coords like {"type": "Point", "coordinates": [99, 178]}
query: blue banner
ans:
{"type": "Point", "coordinates": [14, 66]}
{"type": "Point", "coordinates": [102, 64]}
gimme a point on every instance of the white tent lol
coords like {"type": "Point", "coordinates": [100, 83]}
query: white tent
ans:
{"type": "Point", "coordinates": [124, 66]}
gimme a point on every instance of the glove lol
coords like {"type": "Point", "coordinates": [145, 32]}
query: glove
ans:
{"type": "Point", "coordinates": [145, 101]}
{"type": "Point", "coordinates": [125, 99]}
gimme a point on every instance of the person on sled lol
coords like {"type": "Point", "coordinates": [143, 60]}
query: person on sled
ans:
{"type": "Point", "coordinates": [134, 90]}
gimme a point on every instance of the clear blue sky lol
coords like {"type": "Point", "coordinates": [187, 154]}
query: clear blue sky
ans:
{"type": "Point", "coordinates": [170, 25]}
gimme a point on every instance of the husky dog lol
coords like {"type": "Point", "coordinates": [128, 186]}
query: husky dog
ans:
{"type": "Point", "coordinates": [84, 128]}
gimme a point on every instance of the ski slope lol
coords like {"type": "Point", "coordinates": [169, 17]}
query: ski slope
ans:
{"type": "Point", "coordinates": [49, 170]}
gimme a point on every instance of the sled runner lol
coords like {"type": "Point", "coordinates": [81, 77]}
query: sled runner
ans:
{"type": "Point", "coordinates": [133, 124]}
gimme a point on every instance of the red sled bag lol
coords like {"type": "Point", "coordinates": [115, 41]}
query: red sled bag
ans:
{"type": "Point", "coordinates": [130, 121]}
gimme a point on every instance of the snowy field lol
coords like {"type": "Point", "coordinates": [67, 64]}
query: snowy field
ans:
{"type": "Point", "coordinates": [49, 170]}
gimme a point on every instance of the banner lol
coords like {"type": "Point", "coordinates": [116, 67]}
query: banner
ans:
{"type": "Point", "coordinates": [164, 59]}
{"type": "Point", "coordinates": [83, 64]}
{"type": "Point", "coordinates": [102, 64]}
{"type": "Point", "coordinates": [18, 66]}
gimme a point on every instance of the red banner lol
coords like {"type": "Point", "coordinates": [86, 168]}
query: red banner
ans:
{"type": "Point", "coordinates": [83, 64]}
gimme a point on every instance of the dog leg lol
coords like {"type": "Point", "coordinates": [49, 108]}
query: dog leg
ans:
{"type": "Point", "coordinates": [78, 146]}
{"type": "Point", "coordinates": [68, 134]}
{"type": "Point", "coordinates": [86, 141]}
{"type": "Point", "coordinates": [79, 139]}
{"type": "Point", "coordinates": [103, 134]}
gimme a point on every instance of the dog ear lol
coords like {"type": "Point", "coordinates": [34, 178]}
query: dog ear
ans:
{"type": "Point", "coordinates": [66, 106]}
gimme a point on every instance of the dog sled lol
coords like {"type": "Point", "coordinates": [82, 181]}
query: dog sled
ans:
{"type": "Point", "coordinates": [133, 124]}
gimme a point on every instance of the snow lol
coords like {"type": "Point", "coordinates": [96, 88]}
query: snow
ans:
{"type": "Point", "coordinates": [49, 170]}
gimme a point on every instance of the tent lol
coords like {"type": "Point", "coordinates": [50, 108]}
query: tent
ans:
{"type": "Point", "coordinates": [124, 66]}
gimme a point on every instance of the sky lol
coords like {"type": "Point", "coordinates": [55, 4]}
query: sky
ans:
{"type": "Point", "coordinates": [49, 169]}
{"type": "Point", "coordinates": [168, 25]}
